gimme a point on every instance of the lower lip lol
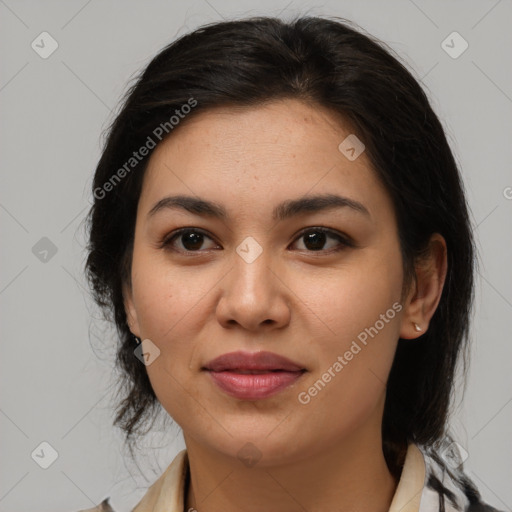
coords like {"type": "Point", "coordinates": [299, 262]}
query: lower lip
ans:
{"type": "Point", "coordinates": [254, 386]}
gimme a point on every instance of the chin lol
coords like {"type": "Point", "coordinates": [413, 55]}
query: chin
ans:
{"type": "Point", "coordinates": [262, 448]}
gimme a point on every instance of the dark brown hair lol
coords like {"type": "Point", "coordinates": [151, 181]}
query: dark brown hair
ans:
{"type": "Point", "coordinates": [326, 62]}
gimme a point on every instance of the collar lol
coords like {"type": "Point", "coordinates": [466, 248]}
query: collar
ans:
{"type": "Point", "coordinates": [167, 494]}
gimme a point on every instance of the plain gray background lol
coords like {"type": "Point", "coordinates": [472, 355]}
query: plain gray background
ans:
{"type": "Point", "coordinates": [56, 386]}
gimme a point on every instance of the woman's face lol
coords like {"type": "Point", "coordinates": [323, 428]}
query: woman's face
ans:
{"type": "Point", "coordinates": [264, 278]}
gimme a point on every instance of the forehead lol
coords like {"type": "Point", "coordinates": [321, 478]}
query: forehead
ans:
{"type": "Point", "coordinates": [282, 148]}
{"type": "Point", "coordinates": [283, 124]}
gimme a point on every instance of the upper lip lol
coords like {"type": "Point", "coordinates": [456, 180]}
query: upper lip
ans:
{"type": "Point", "coordinates": [252, 361]}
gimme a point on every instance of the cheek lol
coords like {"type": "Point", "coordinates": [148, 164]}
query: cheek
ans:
{"type": "Point", "coordinates": [170, 311]}
{"type": "Point", "coordinates": [359, 308]}
{"type": "Point", "coordinates": [350, 298]}
{"type": "Point", "coordinates": [167, 299]}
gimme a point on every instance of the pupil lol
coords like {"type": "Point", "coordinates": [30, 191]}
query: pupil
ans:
{"type": "Point", "coordinates": [194, 239]}
{"type": "Point", "coordinates": [317, 239]}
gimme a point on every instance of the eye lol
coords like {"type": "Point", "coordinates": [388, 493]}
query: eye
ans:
{"type": "Point", "coordinates": [315, 238]}
{"type": "Point", "coordinates": [191, 239]}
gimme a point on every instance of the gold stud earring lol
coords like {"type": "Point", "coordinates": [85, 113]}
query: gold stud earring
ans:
{"type": "Point", "coordinates": [417, 327]}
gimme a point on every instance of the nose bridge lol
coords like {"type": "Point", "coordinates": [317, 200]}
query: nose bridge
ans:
{"type": "Point", "coordinates": [251, 268]}
{"type": "Point", "coordinates": [253, 294]}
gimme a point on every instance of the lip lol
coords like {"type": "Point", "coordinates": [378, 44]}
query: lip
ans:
{"type": "Point", "coordinates": [252, 361]}
{"type": "Point", "coordinates": [253, 375]}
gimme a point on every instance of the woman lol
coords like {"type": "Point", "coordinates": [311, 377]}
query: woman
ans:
{"type": "Point", "coordinates": [281, 234]}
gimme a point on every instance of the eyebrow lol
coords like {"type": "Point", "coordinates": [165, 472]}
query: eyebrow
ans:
{"type": "Point", "coordinates": [283, 211]}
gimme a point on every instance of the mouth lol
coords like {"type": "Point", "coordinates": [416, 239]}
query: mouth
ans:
{"type": "Point", "coordinates": [241, 371]}
{"type": "Point", "coordinates": [252, 362]}
{"type": "Point", "coordinates": [253, 376]}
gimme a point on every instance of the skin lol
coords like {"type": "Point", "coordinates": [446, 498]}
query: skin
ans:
{"type": "Point", "coordinates": [303, 304]}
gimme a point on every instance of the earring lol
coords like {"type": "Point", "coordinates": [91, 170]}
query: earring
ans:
{"type": "Point", "coordinates": [417, 327]}
{"type": "Point", "coordinates": [137, 340]}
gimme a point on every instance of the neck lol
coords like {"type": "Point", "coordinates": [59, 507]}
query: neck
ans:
{"type": "Point", "coordinates": [350, 476]}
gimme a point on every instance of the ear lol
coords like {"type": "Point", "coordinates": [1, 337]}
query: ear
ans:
{"type": "Point", "coordinates": [426, 291]}
{"type": "Point", "coordinates": [131, 312]}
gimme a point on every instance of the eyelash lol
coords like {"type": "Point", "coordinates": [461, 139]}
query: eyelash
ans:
{"type": "Point", "coordinates": [344, 241]}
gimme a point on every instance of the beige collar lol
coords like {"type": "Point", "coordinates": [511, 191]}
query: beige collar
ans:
{"type": "Point", "coordinates": [410, 487]}
{"type": "Point", "coordinates": [167, 493]}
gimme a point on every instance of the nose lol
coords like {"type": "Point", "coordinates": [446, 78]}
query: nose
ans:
{"type": "Point", "coordinates": [254, 295]}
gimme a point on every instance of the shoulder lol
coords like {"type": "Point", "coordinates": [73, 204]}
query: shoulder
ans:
{"type": "Point", "coordinates": [447, 486]}
{"type": "Point", "coordinates": [104, 506]}
{"type": "Point", "coordinates": [171, 483]}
